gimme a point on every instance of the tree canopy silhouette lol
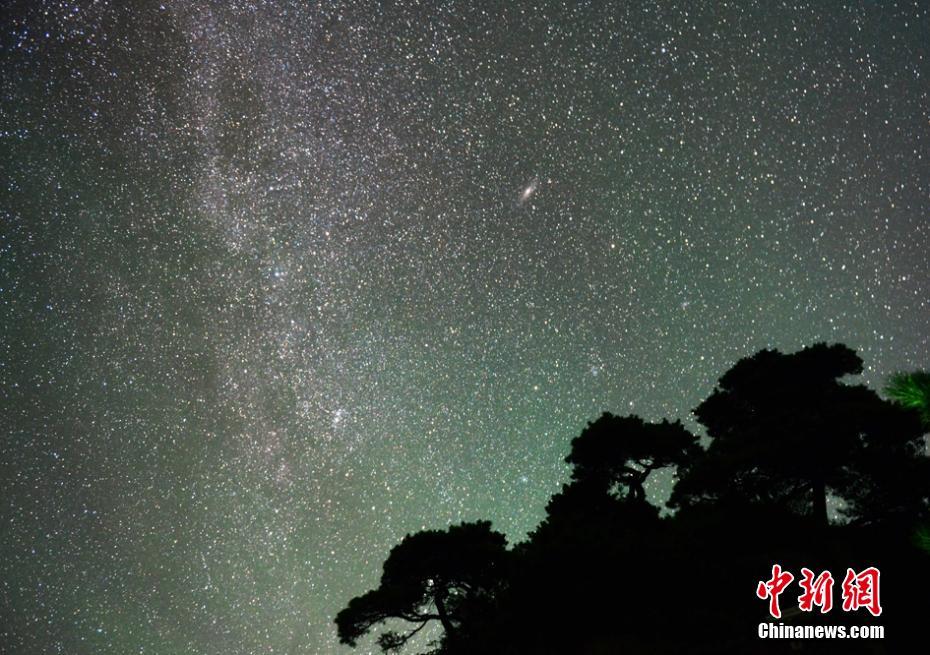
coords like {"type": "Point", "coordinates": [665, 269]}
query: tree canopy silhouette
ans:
{"type": "Point", "coordinates": [433, 575]}
{"type": "Point", "coordinates": [623, 451]}
{"type": "Point", "coordinates": [911, 390]}
{"type": "Point", "coordinates": [785, 430]}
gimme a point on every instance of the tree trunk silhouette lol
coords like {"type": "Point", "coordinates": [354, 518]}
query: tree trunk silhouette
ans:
{"type": "Point", "coordinates": [443, 614]}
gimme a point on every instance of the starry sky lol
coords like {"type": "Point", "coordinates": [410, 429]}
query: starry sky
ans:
{"type": "Point", "coordinates": [282, 281]}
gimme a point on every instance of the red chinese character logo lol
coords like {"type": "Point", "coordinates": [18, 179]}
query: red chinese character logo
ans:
{"type": "Point", "coordinates": [816, 592]}
{"type": "Point", "coordinates": [771, 589]}
{"type": "Point", "coordinates": [861, 591]}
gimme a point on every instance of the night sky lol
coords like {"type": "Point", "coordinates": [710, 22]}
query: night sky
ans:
{"type": "Point", "coordinates": [281, 282]}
